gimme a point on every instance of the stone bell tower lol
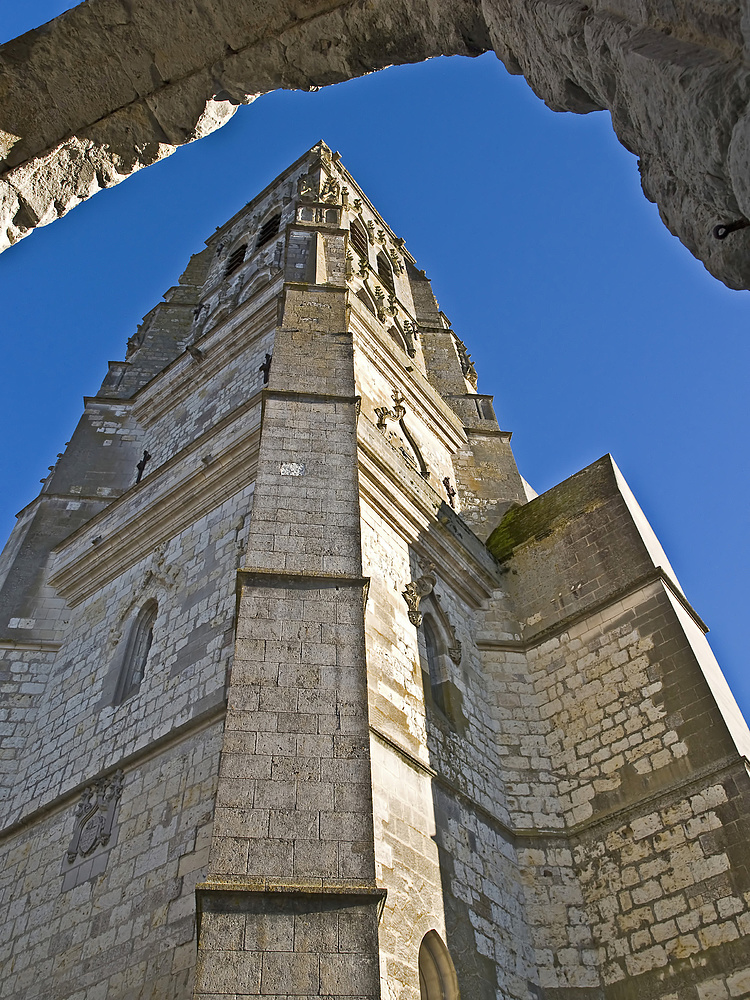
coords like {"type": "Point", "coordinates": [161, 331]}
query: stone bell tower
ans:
{"type": "Point", "coordinates": [307, 694]}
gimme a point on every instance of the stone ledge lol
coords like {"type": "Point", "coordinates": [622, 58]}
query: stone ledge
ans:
{"type": "Point", "coordinates": [310, 397]}
{"type": "Point", "coordinates": [285, 886]}
{"type": "Point", "coordinates": [290, 578]}
{"type": "Point", "coordinates": [563, 624]}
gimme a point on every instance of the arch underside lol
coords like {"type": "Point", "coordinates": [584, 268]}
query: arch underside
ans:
{"type": "Point", "coordinates": [115, 85]}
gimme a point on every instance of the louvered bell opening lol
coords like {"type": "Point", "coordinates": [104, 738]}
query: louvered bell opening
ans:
{"type": "Point", "coordinates": [385, 273]}
{"type": "Point", "coordinates": [358, 238]}
{"type": "Point", "coordinates": [235, 261]}
{"type": "Point", "coordinates": [268, 230]}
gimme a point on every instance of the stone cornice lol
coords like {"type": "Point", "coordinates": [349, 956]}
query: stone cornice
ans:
{"type": "Point", "coordinates": [288, 886]}
{"type": "Point", "coordinates": [421, 517]}
{"type": "Point", "coordinates": [289, 578]}
{"type": "Point", "coordinates": [656, 575]}
{"type": "Point", "coordinates": [32, 645]}
{"type": "Point", "coordinates": [221, 345]}
{"type": "Point", "coordinates": [571, 835]}
{"type": "Point", "coordinates": [152, 512]}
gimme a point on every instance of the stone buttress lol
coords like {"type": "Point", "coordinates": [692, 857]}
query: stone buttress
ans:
{"type": "Point", "coordinates": [289, 904]}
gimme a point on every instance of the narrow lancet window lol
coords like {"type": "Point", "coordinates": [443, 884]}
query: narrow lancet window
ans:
{"type": "Point", "coordinates": [236, 259]}
{"type": "Point", "coordinates": [359, 241]}
{"type": "Point", "coordinates": [268, 230]}
{"type": "Point", "coordinates": [432, 647]}
{"type": "Point", "coordinates": [437, 974]}
{"type": "Point", "coordinates": [385, 273]}
{"type": "Point", "coordinates": [140, 639]}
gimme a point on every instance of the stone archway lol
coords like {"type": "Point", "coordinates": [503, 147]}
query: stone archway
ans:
{"type": "Point", "coordinates": [115, 85]}
{"type": "Point", "coordinates": [437, 974]}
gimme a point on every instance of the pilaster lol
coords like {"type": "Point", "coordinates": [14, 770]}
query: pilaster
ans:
{"type": "Point", "coordinates": [290, 902]}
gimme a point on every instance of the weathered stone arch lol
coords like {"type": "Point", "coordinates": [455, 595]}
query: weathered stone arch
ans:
{"type": "Point", "coordinates": [115, 85]}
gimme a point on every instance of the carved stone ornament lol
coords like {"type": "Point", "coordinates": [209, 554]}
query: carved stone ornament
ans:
{"type": "Point", "coordinates": [454, 650]}
{"type": "Point", "coordinates": [385, 414]}
{"type": "Point", "coordinates": [331, 191]}
{"type": "Point", "coordinates": [467, 365]}
{"type": "Point", "coordinates": [307, 188]}
{"type": "Point", "coordinates": [410, 336]}
{"type": "Point", "coordinates": [418, 589]}
{"type": "Point", "coordinates": [95, 814]}
{"type": "Point", "coordinates": [396, 261]}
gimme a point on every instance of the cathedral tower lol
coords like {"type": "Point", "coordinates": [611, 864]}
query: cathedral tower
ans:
{"type": "Point", "coordinates": [307, 694]}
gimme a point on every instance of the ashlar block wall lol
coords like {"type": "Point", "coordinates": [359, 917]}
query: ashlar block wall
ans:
{"type": "Point", "coordinates": [305, 694]}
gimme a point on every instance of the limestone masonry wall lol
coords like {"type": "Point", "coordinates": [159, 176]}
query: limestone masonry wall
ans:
{"type": "Point", "coordinates": [321, 705]}
{"type": "Point", "coordinates": [127, 929]}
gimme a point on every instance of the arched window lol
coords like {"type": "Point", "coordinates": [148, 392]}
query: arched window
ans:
{"type": "Point", "coordinates": [268, 230]}
{"type": "Point", "coordinates": [235, 261]}
{"type": "Point", "coordinates": [365, 297]}
{"type": "Point", "coordinates": [433, 649]}
{"type": "Point", "coordinates": [359, 240]}
{"type": "Point", "coordinates": [437, 974]}
{"type": "Point", "coordinates": [395, 335]}
{"type": "Point", "coordinates": [138, 646]}
{"type": "Point", "coordinates": [385, 273]}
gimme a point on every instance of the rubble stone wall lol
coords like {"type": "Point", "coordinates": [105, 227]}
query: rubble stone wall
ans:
{"type": "Point", "coordinates": [675, 80]}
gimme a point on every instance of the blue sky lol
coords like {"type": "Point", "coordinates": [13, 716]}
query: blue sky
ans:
{"type": "Point", "coordinates": [594, 328]}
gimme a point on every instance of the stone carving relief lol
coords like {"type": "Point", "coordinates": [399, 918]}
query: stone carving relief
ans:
{"type": "Point", "coordinates": [411, 335]}
{"type": "Point", "coordinates": [417, 591]}
{"type": "Point", "coordinates": [454, 649]}
{"type": "Point", "coordinates": [385, 414]}
{"type": "Point", "coordinates": [331, 191]}
{"type": "Point", "coordinates": [467, 365]}
{"type": "Point", "coordinates": [396, 261]}
{"type": "Point", "coordinates": [321, 193]}
{"type": "Point", "coordinates": [449, 491]}
{"type": "Point", "coordinates": [160, 573]}
{"type": "Point", "coordinates": [307, 187]}
{"type": "Point", "coordinates": [403, 442]}
{"type": "Point", "coordinates": [95, 815]}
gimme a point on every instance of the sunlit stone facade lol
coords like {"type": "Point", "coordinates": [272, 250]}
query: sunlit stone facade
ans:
{"type": "Point", "coordinates": [307, 694]}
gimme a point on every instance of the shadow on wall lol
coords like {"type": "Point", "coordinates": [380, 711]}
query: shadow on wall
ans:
{"type": "Point", "coordinates": [455, 968]}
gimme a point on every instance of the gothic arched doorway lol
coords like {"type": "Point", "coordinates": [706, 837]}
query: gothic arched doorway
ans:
{"type": "Point", "coordinates": [437, 975]}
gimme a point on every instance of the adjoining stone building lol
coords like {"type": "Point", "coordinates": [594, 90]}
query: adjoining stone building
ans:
{"type": "Point", "coordinates": [306, 694]}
